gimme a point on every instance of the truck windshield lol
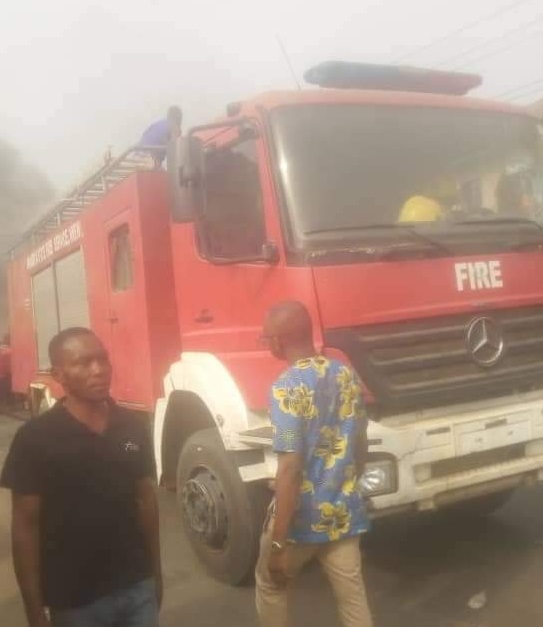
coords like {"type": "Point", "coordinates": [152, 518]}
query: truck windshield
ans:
{"type": "Point", "coordinates": [352, 174]}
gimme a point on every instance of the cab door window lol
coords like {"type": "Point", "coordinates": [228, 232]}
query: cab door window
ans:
{"type": "Point", "coordinates": [120, 251]}
{"type": "Point", "coordinates": [232, 225]}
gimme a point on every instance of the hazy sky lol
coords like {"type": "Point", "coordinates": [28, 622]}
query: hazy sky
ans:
{"type": "Point", "coordinates": [80, 74]}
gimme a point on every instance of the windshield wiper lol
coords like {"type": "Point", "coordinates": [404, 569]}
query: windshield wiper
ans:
{"type": "Point", "coordinates": [535, 242]}
{"type": "Point", "coordinates": [436, 245]}
{"type": "Point", "coordinates": [528, 245]}
{"type": "Point", "coordinates": [387, 252]}
{"type": "Point", "coordinates": [500, 221]}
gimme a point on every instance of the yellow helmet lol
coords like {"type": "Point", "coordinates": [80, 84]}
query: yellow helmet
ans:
{"type": "Point", "coordinates": [420, 209]}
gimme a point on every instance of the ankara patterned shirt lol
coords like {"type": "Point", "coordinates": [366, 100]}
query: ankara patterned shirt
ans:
{"type": "Point", "coordinates": [317, 410]}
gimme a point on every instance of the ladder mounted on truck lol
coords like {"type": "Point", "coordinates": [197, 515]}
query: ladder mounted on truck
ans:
{"type": "Point", "coordinates": [94, 187]}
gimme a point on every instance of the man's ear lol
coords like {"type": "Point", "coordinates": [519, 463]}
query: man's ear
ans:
{"type": "Point", "coordinates": [279, 347]}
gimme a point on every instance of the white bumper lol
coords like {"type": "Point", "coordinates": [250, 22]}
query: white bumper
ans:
{"type": "Point", "coordinates": [447, 454]}
{"type": "Point", "coordinates": [451, 454]}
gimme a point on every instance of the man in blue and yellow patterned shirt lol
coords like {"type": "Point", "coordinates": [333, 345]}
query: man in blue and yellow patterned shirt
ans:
{"type": "Point", "coordinates": [318, 512]}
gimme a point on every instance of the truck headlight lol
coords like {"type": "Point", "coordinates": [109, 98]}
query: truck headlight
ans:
{"type": "Point", "coordinates": [380, 477]}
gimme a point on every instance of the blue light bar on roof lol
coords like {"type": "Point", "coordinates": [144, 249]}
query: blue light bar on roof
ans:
{"type": "Point", "coordinates": [345, 75]}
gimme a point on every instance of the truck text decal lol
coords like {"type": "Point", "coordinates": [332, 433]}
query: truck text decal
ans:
{"type": "Point", "coordinates": [65, 238]}
{"type": "Point", "coordinates": [478, 275]}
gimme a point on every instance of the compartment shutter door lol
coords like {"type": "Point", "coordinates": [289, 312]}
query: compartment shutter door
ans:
{"type": "Point", "coordinates": [73, 306]}
{"type": "Point", "coordinates": [45, 313]}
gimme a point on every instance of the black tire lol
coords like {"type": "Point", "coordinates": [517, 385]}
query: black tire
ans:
{"type": "Point", "coordinates": [207, 474]}
{"type": "Point", "coordinates": [483, 505]}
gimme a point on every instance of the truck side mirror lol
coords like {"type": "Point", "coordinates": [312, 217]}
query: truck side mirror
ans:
{"type": "Point", "coordinates": [185, 176]}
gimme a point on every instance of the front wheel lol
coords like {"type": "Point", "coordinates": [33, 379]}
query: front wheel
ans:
{"type": "Point", "coordinates": [221, 515]}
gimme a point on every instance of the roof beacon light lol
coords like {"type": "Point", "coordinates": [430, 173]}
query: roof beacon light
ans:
{"type": "Point", "coordinates": [345, 75]}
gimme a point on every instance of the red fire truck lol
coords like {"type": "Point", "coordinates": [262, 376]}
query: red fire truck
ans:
{"type": "Point", "coordinates": [400, 211]}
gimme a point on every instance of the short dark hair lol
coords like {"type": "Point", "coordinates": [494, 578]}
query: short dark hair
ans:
{"type": "Point", "coordinates": [57, 343]}
{"type": "Point", "coordinates": [294, 319]}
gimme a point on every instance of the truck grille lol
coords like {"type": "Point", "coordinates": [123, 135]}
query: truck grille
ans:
{"type": "Point", "coordinates": [425, 363]}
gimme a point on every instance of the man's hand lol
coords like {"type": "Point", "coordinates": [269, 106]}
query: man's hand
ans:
{"type": "Point", "coordinates": [148, 511]}
{"type": "Point", "coordinates": [25, 533]}
{"type": "Point", "coordinates": [278, 565]}
{"type": "Point", "coordinates": [159, 587]}
{"type": "Point", "coordinates": [287, 492]}
{"type": "Point", "coordinates": [361, 452]}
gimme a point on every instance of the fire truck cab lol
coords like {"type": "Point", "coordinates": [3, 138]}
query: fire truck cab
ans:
{"type": "Point", "coordinates": [399, 211]}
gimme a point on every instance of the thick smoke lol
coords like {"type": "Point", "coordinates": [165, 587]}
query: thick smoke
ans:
{"type": "Point", "coordinates": [23, 192]}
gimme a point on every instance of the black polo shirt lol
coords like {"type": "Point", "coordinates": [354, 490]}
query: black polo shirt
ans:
{"type": "Point", "coordinates": [91, 540]}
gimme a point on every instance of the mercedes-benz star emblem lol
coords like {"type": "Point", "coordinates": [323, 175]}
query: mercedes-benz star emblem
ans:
{"type": "Point", "coordinates": [484, 339]}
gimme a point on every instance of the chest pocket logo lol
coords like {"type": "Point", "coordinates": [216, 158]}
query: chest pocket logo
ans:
{"type": "Point", "coordinates": [131, 447]}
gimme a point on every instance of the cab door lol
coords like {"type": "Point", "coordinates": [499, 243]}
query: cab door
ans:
{"type": "Point", "coordinates": [123, 319]}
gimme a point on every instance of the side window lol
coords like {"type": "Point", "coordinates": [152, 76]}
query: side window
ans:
{"type": "Point", "coordinates": [232, 225]}
{"type": "Point", "coordinates": [120, 255]}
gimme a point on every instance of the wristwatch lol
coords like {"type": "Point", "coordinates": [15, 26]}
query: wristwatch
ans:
{"type": "Point", "coordinates": [277, 546]}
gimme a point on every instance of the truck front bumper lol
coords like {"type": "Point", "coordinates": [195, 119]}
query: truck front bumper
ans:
{"type": "Point", "coordinates": [449, 455]}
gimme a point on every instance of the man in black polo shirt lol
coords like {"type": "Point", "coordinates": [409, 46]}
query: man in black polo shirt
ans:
{"type": "Point", "coordinates": [85, 517]}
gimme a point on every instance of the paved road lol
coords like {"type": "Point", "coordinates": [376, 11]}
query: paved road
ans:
{"type": "Point", "coordinates": [420, 573]}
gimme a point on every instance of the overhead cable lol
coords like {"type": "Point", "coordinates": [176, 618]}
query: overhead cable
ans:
{"type": "Point", "coordinates": [518, 88]}
{"type": "Point", "coordinates": [483, 44]}
{"type": "Point", "coordinates": [461, 29]}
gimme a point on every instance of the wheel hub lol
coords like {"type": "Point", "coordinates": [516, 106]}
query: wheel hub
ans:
{"type": "Point", "coordinates": [204, 509]}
